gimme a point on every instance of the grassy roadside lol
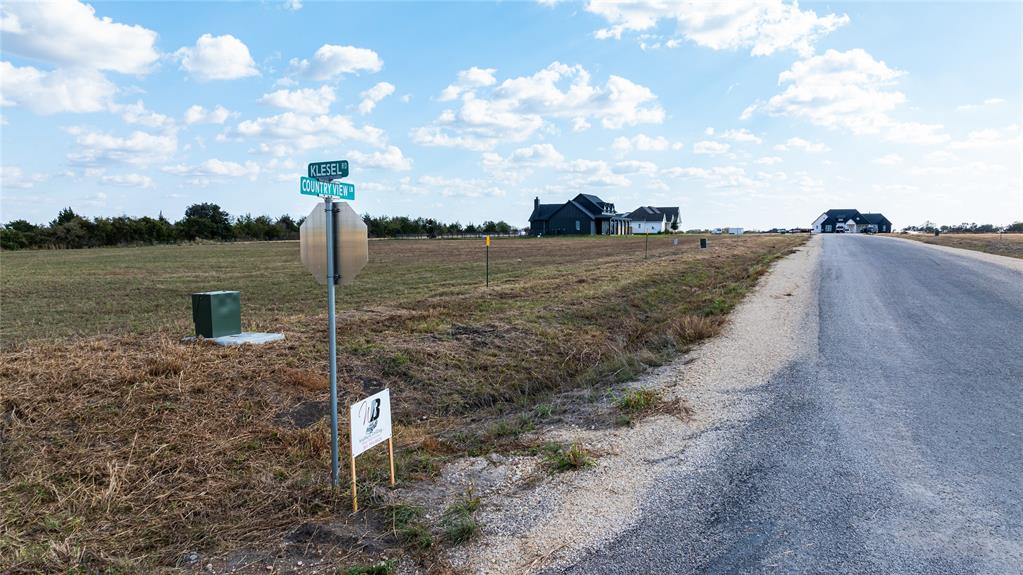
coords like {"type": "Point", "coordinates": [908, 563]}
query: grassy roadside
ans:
{"type": "Point", "coordinates": [129, 451]}
{"type": "Point", "coordinates": [1010, 245]}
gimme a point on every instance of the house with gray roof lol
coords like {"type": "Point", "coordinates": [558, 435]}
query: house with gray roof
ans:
{"type": "Point", "coordinates": [850, 221]}
{"type": "Point", "coordinates": [584, 214]}
{"type": "Point", "coordinates": [653, 220]}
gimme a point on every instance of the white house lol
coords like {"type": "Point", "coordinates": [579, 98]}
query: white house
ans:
{"type": "Point", "coordinates": [651, 220]}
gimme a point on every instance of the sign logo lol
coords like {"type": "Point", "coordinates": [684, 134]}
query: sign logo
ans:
{"type": "Point", "coordinates": [370, 421]}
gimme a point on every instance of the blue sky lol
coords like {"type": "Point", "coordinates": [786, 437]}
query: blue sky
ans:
{"type": "Point", "coordinates": [758, 115]}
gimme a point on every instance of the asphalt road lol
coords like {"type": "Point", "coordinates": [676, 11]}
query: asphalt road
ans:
{"type": "Point", "coordinates": [896, 446]}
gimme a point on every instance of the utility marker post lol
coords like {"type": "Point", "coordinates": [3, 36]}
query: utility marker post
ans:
{"type": "Point", "coordinates": [488, 261]}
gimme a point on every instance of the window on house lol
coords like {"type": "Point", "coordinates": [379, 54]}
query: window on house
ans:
{"type": "Point", "coordinates": [827, 228]}
{"type": "Point", "coordinates": [578, 226]}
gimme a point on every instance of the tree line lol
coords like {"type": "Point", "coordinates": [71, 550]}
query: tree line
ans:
{"type": "Point", "coordinates": [204, 221]}
{"type": "Point", "coordinates": [966, 228]}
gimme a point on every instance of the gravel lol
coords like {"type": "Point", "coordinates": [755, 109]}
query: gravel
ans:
{"type": "Point", "coordinates": [547, 523]}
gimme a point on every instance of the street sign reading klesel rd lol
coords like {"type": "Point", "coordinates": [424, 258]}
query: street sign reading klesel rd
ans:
{"type": "Point", "coordinates": [327, 171]}
{"type": "Point", "coordinates": [311, 187]}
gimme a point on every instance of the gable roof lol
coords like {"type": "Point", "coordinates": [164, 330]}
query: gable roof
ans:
{"type": "Point", "coordinates": [671, 212]}
{"type": "Point", "coordinates": [544, 211]}
{"type": "Point", "coordinates": [652, 214]}
{"type": "Point", "coordinates": [876, 219]}
{"type": "Point", "coordinates": [845, 215]}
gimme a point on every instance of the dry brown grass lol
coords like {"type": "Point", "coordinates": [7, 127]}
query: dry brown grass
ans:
{"type": "Point", "coordinates": [125, 452]}
{"type": "Point", "coordinates": [1010, 245]}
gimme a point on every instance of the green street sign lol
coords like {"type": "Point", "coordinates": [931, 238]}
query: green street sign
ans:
{"type": "Point", "coordinates": [311, 187]}
{"type": "Point", "coordinates": [327, 171]}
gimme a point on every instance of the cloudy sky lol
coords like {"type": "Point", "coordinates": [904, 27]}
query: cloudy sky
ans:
{"type": "Point", "coordinates": [756, 115]}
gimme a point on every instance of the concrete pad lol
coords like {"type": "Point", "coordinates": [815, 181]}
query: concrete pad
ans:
{"type": "Point", "coordinates": [246, 337]}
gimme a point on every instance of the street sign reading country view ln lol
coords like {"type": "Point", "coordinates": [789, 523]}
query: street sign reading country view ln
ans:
{"type": "Point", "coordinates": [314, 187]}
{"type": "Point", "coordinates": [329, 171]}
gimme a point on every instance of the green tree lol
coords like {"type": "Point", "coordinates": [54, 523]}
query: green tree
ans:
{"type": "Point", "coordinates": [206, 221]}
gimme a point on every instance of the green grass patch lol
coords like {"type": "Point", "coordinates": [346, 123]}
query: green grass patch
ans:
{"type": "Point", "coordinates": [559, 458]}
{"type": "Point", "coordinates": [459, 520]}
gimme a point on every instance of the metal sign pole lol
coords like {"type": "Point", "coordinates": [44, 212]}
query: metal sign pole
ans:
{"type": "Point", "coordinates": [328, 208]}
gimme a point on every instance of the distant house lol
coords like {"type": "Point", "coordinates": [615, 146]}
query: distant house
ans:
{"type": "Point", "coordinates": [651, 220]}
{"type": "Point", "coordinates": [584, 214]}
{"type": "Point", "coordinates": [880, 223]}
{"type": "Point", "coordinates": [850, 221]}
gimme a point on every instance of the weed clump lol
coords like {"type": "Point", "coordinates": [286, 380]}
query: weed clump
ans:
{"type": "Point", "coordinates": [559, 459]}
{"type": "Point", "coordinates": [635, 401]}
{"type": "Point", "coordinates": [459, 520]}
{"type": "Point", "coordinates": [407, 525]}
{"type": "Point", "coordinates": [382, 568]}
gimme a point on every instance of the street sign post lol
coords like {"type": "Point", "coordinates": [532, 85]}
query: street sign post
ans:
{"type": "Point", "coordinates": [334, 246]}
{"type": "Point", "coordinates": [328, 171]}
{"type": "Point", "coordinates": [314, 187]}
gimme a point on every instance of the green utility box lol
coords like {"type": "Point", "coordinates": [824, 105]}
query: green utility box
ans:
{"type": "Point", "coordinates": [217, 313]}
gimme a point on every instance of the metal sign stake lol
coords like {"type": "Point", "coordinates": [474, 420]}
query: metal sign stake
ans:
{"type": "Point", "coordinates": [328, 208]}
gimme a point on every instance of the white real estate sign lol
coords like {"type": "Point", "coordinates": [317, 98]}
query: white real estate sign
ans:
{"type": "Point", "coordinates": [371, 421]}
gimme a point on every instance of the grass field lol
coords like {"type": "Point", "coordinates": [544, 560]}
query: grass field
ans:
{"type": "Point", "coordinates": [124, 449]}
{"type": "Point", "coordinates": [999, 244]}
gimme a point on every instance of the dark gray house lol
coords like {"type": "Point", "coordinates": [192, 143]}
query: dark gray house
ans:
{"type": "Point", "coordinates": [584, 214]}
{"type": "Point", "coordinates": [849, 221]}
{"type": "Point", "coordinates": [880, 222]}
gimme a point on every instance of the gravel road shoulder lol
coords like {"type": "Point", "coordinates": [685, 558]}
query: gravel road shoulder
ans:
{"type": "Point", "coordinates": [541, 525]}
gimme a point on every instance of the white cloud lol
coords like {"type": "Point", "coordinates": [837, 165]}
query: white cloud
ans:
{"type": "Point", "coordinates": [306, 132]}
{"type": "Point", "coordinates": [764, 27]}
{"type": "Point", "coordinates": [516, 108]}
{"type": "Point", "coordinates": [199, 115]}
{"type": "Point", "coordinates": [129, 180]}
{"type": "Point", "coordinates": [521, 162]}
{"type": "Point", "coordinates": [848, 90]}
{"type": "Point", "coordinates": [803, 146]}
{"type": "Point", "coordinates": [373, 95]}
{"type": "Point", "coordinates": [292, 5]}
{"type": "Point", "coordinates": [217, 58]}
{"type": "Point", "coordinates": [390, 158]}
{"type": "Point", "coordinates": [714, 177]}
{"type": "Point", "coordinates": [635, 167]}
{"type": "Point", "coordinates": [15, 177]}
{"type": "Point", "coordinates": [138, 114]}
{"type": "Point", "coordinates": [76, 90]}
{"type": "Point", "coordinates": [139, 148]}
{"type": "Point", "coordinates": [915, 133]}
{"type": "Point", "coordinates": [710, 147]}
{"type": "Point", "coordinates": [215, 168]}
{"type": "Point", "coordinates": [888, 160]}
{"type": "Point", "coordinates": [644, 143]}
{"type": "Point", "coordinates": [839, 90]}
{"type": "Point", "coordinates": [455, 187]}
{"type": "Point", "coordinates": [467, 80]}
{"type": "Point", "coordinates": [987, 102]}
{"type": "Point", "coordinates": [67, 33]}
{"type": "Point", "coordinates": [768, 160]}
{"type": "Point", "coordinates": [741, 135]}
{"type": "Point", "coordinates": [989, 138]}
{"type": "Point", "coordinates": [306, 100]}
{"type": "Point", "coordinates": [330, 61]}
